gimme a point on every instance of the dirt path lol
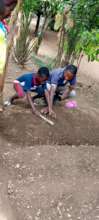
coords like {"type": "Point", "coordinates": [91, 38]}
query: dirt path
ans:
{"type": "Point", "coordinates": [52, 182]}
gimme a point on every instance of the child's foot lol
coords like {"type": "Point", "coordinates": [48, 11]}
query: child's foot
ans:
{"type": "Point", "coordinates": [1, 109]}
{"type": "Point", "coordinates": [7, 103]}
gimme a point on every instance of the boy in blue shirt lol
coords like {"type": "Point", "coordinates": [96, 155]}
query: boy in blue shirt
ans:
{"type": "Point", "coordinates": [58, 79]}
{"type": "Point", "coordinates": [31, 82]}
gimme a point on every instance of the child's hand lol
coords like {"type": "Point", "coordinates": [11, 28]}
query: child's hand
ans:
{"type": "Point", "coordinates": [1, 109]}
{"type": "Point", "coordinates": [45, 111]}
{"type": "Point", "coordinates": [37, 113]}
{"type": "Point", "coordinates": [52, 114]}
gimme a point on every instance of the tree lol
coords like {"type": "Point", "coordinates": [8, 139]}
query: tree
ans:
{"type": "Point", "coordinates": [48, 10]}
{"type": "Point", "coordinates": [22, 49]}
{"type": "Point", "coordinates": [65, 23]}
{"type": "Point", "coordinates": [83, 36]}
{"type": "Point", "coordinates": [85, 14]}
{"type": "Point", "coordinates": [24, 44]}
{"type": "Point", "coordinates": [79, 28]}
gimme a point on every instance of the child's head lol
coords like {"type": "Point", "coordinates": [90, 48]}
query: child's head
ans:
{"type": "Point", "coordinates": [6, 6]}
{"type": "Point", "coordinates": [43, 74]}
{"type": "Point", "coordinates": [70, 72]}
{"type": "Point", "coordinates": [2, 9]}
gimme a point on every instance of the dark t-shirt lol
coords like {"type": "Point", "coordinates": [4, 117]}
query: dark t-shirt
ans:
{"type": "Point", "coordinates": [28, 82]}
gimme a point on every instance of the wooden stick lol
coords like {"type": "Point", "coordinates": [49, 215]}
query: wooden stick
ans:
{"type": "Point", "coordinates": [46, 120]}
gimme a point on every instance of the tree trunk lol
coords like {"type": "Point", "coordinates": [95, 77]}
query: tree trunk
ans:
{"type": "Point", "coordinates": [40, 36]}
{"type": "Point", "coordinates": [61, 43]}
{"type": "Point", "coordinates": [64, 57]}
{"type": "Point", "coordinates": [37, 24]}
{"type": "Point", "coordinates": [23, 43]}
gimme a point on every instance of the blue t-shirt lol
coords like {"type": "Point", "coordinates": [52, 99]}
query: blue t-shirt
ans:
{"type": "Point", "coordinates": [57, 78]}
{"type": "Point", "coordinates": [28, 82]}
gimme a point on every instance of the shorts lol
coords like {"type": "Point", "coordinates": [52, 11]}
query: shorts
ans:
{"type": "Point", "coordinates": [39, 90]}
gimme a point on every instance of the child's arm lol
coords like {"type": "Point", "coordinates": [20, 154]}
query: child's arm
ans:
{"type": "Point", "coordinates": [47, 96]}
{"type": "Point", "coordinates": [34, 111]}
{"type": "Point", "coordinates": [52, 93]}
{"type": "Point", "coordinates": [67, 92]}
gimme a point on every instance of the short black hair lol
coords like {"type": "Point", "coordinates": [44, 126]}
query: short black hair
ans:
{"type": "Point", "coordinates": [43, 72]}
{"type": "Point", "coordinates": [2, 8]}
{"type": "Point", "coordinates": [71, 68]}
{"type": "Point", "coordinates": [10, 2]}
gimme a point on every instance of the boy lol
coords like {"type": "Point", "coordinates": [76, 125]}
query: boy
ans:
{"type": "Point", "coordinates": [6, 6]}
{"type": "Point", "coordinates": [28, 83]}
{"type": "Point", "coordinates": [59, 78]}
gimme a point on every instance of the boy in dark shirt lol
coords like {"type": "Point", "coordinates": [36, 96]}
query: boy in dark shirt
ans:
{"type": "Point", "coordinates": [31, 82]}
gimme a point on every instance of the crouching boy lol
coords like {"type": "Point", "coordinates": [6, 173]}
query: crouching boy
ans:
{"type": "Point", "coordinates": [30, 82]}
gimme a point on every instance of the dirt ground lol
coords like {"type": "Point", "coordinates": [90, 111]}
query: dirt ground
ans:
{"type": "Point", "coordinates": [50, 172]}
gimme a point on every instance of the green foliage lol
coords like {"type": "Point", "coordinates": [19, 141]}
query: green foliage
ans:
{"type": "Point", "coordinates": [86, 16]}
{"type": "Point", "coordinates": [89, 43]}
{"type": "Point", "coordinates": [22, 48]}
{"type": "Point", "coordinates": [86, 13]}
{"type": "Point", "coordinates": [43, 6]}
{"type": "Point", "coordinates": [84, 36]}
{"type": "Point", "coordinates": [62, 4]}
{"type": "Point", "coordinates": [29, 6]}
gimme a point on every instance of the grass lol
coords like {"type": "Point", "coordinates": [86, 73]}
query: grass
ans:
{"type": "Point", "coordinates": [45, 61]}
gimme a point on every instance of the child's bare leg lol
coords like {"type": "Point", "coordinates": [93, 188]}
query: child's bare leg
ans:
{"type": "Point", "coordinates": [19, 94]}
{"type": "Point", "coordinates": [14, 98]}
{"type": "Point", "coordinates": [19, 90]}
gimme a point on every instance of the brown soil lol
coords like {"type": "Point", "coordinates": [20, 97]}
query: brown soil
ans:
{"type": "Point", "coordinates": [50, 172]}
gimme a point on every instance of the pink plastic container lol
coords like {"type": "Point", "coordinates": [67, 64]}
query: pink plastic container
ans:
{"type": "Point", "coordinates": [71, 104]}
